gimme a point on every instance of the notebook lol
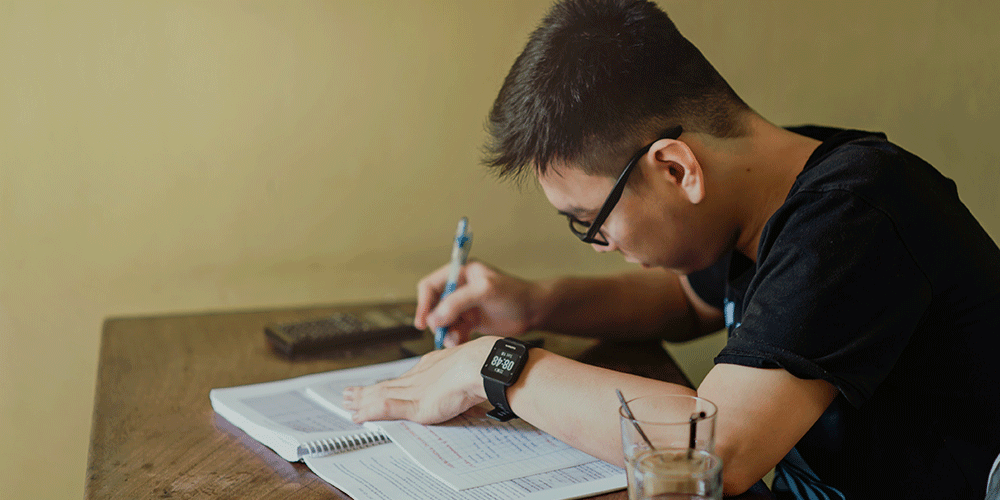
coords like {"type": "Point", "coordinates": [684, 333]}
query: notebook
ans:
{"type": "Point", "coordinates": [468, 457]}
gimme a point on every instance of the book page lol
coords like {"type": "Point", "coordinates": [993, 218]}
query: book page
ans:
{"type": "Point", "coordinates": [468, 451]}
{"type": "Point", "coordinates": [281, 416]}
{"type": "Point", "coordinates": [284, 413]}
{"type": "Point", "coordinates": [383, 473]}
{"type": "Point", "coordinates": [330, 390]}
{"type": "Point", "coordinates": [292, 410]}
{"type": "Point", "coordinates": [473, 449]}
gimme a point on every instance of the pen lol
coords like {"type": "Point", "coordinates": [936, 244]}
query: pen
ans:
{"type": "Point", "coordinates": [459, 252]}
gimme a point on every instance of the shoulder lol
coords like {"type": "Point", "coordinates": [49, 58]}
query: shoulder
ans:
{"type": "Point", "coordinates": [868, 165]}
{"type": "Point", "coordinates": [856, 174]}
{"type": "Point", "coordinates": [860, 161]}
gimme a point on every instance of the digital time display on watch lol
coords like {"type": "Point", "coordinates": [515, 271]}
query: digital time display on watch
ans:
{"type": "Point", "coordinates": [505, 362]}
{"type": "Point", "coordinates": [501, 363]}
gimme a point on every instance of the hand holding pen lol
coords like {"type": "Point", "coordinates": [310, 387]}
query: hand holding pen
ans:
{"type": "Point", "coordinates": [459, 253]}
{"type": "Point", "coordinates": [487, 301]}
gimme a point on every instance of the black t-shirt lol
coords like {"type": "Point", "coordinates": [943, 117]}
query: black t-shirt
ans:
{"type": "Point", "coordinates": [875, 277]}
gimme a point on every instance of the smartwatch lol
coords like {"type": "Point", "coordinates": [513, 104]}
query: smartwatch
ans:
{"type": "Point", "coordinates": [502, 367]}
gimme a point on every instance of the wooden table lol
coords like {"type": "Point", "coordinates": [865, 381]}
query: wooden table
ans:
{"type": "Point", "coordinates": [155, 435]}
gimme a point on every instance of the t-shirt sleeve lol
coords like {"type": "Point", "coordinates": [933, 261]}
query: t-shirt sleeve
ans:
{"type": "Point", "coordinates": [835, 297]}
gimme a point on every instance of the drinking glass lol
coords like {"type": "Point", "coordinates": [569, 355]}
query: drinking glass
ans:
{"type": "Point", "coordinates": [677, 474]}
{"type": "Point", "coordinates": [666, 421]}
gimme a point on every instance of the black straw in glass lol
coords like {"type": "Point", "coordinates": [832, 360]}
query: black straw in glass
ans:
{"type": "Point", "coordinates": [695, 417]}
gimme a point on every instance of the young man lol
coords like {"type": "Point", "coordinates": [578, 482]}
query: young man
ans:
{"type": "Point", "coordinates": [859, 293]}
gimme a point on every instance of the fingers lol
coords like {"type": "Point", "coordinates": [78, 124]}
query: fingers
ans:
{"type": "Point", "coordinates": [451, 308]}
{"type": "Point", "coordinates": [457, 337]}
{"type": "Point", "coordinates": [428, 291]}
{"type": "Point", "coordinates": [375, 403]}
{"type": "Point", "coordinates": [444, 383]}
{"type": "Point", "coordinates": [485, 300]}
{"type": "Point", "coordinates": [389, 409]}
{"type": "Point", "coordinates": [388, 400]}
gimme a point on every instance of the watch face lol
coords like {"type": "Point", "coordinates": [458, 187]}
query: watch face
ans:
{"type": "Point", "coordinates": [505, 362]}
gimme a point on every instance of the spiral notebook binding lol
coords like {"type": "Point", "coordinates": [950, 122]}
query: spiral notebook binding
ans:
{"type": "Point", "coordinates": [341, 444]}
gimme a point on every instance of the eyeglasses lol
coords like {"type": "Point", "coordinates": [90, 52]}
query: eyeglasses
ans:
{"type": "Point", "coordinates": [589, 232]}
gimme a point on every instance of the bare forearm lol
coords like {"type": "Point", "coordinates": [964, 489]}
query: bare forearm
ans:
{"type": "Point", "coordinates": [633, 306]}
{"type": "Point", "coordinates": [577, 403]}
{"type": "Point", "coordinates": [762, 413]}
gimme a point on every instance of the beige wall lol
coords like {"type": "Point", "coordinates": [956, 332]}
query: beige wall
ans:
{"type": "Point", "coordinates": [188, 155]}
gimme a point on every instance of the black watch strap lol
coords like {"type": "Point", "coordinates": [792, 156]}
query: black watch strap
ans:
{"type": "Point", "coordinates": [497, 394]}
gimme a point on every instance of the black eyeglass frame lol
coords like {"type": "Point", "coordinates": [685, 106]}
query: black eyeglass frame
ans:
{"type": "Point", "coordinates": [594, 228]}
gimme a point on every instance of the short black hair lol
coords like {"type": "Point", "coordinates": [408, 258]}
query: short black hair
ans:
{"type": "Point", "coordinates": [598, 77]}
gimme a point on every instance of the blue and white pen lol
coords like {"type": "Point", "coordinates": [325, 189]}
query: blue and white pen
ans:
{"type": "Point", "coordinates": [459, 252]}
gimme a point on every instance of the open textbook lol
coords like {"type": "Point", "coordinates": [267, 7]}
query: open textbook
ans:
{"type": "Point", "coordinates": [468, 457]}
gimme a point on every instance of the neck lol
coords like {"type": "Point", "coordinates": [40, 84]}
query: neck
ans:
{"type": "Point", "coordinates": [753, 175]}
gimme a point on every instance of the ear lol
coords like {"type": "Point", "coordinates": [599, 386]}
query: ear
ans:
{"type": "Point", "coordinates": [676, 162]}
